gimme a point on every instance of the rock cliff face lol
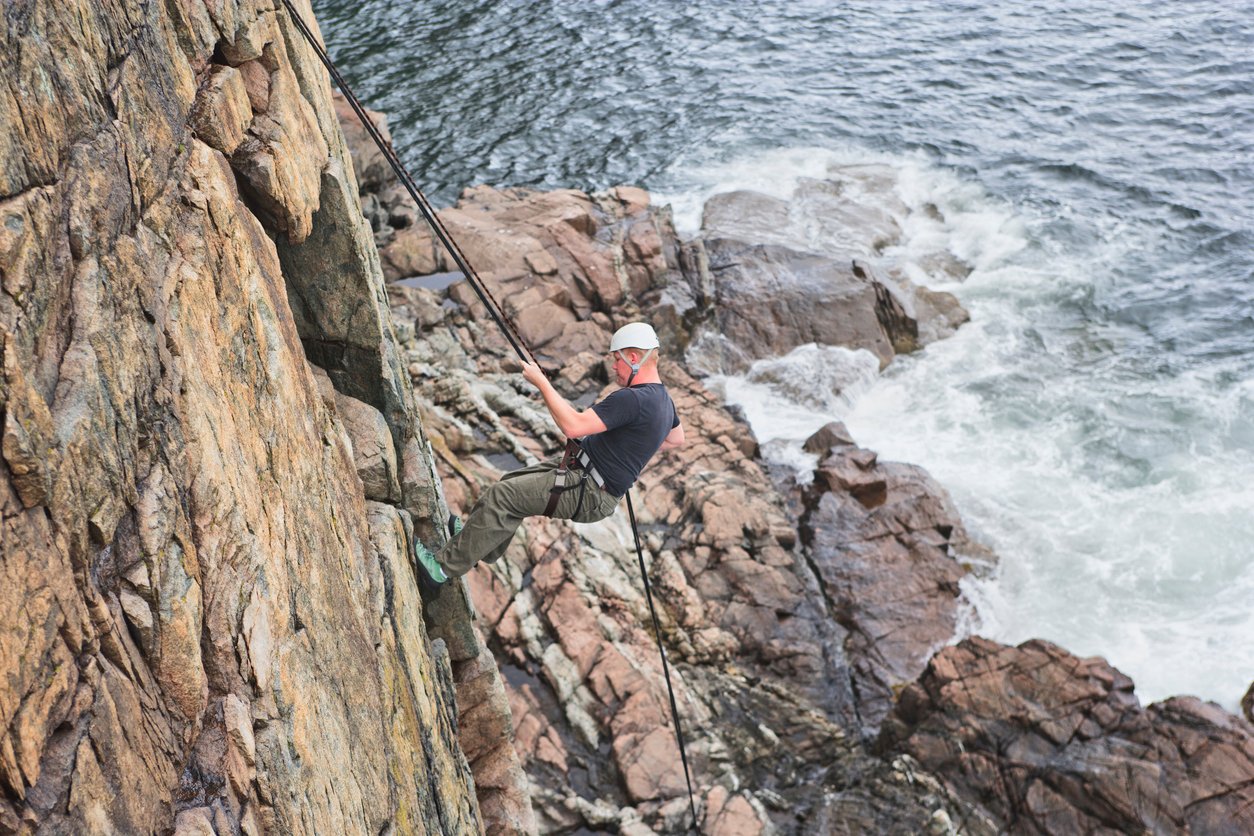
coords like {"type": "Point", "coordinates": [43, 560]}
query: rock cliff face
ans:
{"type": "Point", "coordinates": [212, 466]}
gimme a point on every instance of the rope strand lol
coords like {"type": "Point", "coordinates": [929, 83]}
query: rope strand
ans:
{"type": "Point", "coordinates": [657, 632]}
{"type": "Point", "coordinates": [494, 308]}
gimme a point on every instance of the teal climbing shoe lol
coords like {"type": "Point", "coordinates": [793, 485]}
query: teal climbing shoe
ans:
{"type": "Point", "coordinates": [432, 571]}
{"type": "Point", "coordinates": [454, 525]}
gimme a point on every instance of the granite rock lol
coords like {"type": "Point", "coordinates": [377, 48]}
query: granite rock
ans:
{"type": "Point", "coordinates": [1046, 742]}
{"type": "Point", "coordinates": [772, 273]}
{"type": "Point", "coordinates": [208, 627]}
{"type": "Point", "coordinates": [889, 549]}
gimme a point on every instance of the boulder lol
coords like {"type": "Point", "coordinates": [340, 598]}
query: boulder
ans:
{"type": "Point", "coordinates": [769, 299]}
{"type": "Point", "coordinates": [749, 216]}
{"type": "Point", "coordinates": [1047, 742]}
{"type": "Point", "coordinates": [597, 248]}
{"type": "Point", "coordinates": [939, 314]}
{"type": "Point", "coordinates": [830, 435]}
{"type": "Point", "coordinates": [885, 540]}
{"type": "Point", "coordinates": [582, 337]}
{"type": "Point", "coordinates": [855, 208]}
{"type": "Point", "coordinates": [634, 199]}
{"type": "Point", "coordinates": [852, 217]}
{"type": "Point", "coordinates": [856, 474]}
{"type": "Point", "coordinates": [853, 212]}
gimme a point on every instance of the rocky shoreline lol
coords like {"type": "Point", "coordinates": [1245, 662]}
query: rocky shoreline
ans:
{"type": "Point", "coordinates": [222, 434]}
{"type": "Point", "coordinates": [800, 618]}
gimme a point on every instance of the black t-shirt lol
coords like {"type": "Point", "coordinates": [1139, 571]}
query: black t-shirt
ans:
{"type": "Point", "coordinates": [637, 421]}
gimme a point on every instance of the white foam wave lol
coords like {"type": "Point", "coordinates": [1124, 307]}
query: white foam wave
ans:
{"type": "Point", "coordinates": [978, 230]}
{"type": "Point", "coordinates": [776, 173]}
{"type": "Point", "coordinates": [786, 399]}
{"type": "Point", "coordinates": [1116, 494]}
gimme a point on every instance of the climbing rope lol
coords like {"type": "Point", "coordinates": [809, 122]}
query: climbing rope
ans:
{"type": "Point", "coordinates": [508, 329]}
{"type": "Point", "coordinates": [657, 632]}
{"type": "Point", "coordinates": [494, 308]}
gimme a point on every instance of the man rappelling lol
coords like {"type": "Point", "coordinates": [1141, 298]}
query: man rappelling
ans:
{"type": "Point", "coordinates": [619, 435]}
{"type": "Point", "coordinates": [609, 445]}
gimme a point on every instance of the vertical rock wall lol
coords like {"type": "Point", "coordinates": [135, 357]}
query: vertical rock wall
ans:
{"type": "Point", "coordinates": [210, 619]}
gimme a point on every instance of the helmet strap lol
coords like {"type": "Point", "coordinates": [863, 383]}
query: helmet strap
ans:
{"type": "Point", "coordinates": [635, 367]}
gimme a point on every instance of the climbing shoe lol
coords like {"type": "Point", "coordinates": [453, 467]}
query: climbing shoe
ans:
{"type": "Point", "coordinates": [432, 571]}
{"type": "Point", "coordinates": [454, 525]}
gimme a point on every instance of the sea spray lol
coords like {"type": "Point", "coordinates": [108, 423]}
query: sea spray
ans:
{"type": "Point", "coordinates": [785, 399]}
{"type": "Point", "coordinates": [1111, 494]}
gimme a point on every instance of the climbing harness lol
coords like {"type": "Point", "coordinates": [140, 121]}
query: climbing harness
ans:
{"type": "Point", "coordinates": [564, 466]}
{"type": "Point", "coordinates": [573, 457]}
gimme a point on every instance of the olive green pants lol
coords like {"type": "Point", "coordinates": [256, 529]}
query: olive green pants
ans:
{"type": "Point", "coordinates": [501, 508]}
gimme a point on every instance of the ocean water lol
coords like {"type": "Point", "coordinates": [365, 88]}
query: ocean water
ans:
{"type": "Point", "coordinates": [1095, 167]}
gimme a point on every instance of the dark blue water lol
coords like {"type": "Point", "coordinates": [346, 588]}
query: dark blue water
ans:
{"type": "Point", "coordinates": [1097, 167]}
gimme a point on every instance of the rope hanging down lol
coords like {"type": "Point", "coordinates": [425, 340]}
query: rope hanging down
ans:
{"type": "Point", "coordinates": [657, 631]}
{"type": "Point", "coordinates": [507, 327]}
{"type": "Point", "coordinates": [437, 226]}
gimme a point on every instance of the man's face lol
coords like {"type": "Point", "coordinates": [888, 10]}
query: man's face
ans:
{"type": "Point", "coordinates": [622, 369]}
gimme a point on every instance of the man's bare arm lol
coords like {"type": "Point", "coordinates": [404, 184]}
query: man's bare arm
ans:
{"type": "Point", "coordinates": [675, 438]}
{"type": "Point", "coordinates": [572, 422]}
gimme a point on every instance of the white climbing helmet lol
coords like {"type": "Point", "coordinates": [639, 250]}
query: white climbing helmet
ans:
{"type": "Point", "coordinates": [635, 335]}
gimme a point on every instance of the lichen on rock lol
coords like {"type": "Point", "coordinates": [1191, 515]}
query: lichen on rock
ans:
{"type": "Point", "coordinates": [212, 621]}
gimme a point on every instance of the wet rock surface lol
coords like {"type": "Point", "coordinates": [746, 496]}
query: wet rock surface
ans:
{"type": "Point", "coordinates": [1050, 743]}
{"type": "Point", "coordinates": [885, 541]}
{"type": "Point", "coordinates": [817, 268]}
{"type": "Point", "coordinates": [770, 299]}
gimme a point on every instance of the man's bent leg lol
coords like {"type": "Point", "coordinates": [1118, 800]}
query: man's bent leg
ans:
{"type": "Point", "coordinates": [545, 467]}
{"type": "Point", "coordinates": [496, 516]}
{"type": "Point", "coordinates": [597, 505]}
